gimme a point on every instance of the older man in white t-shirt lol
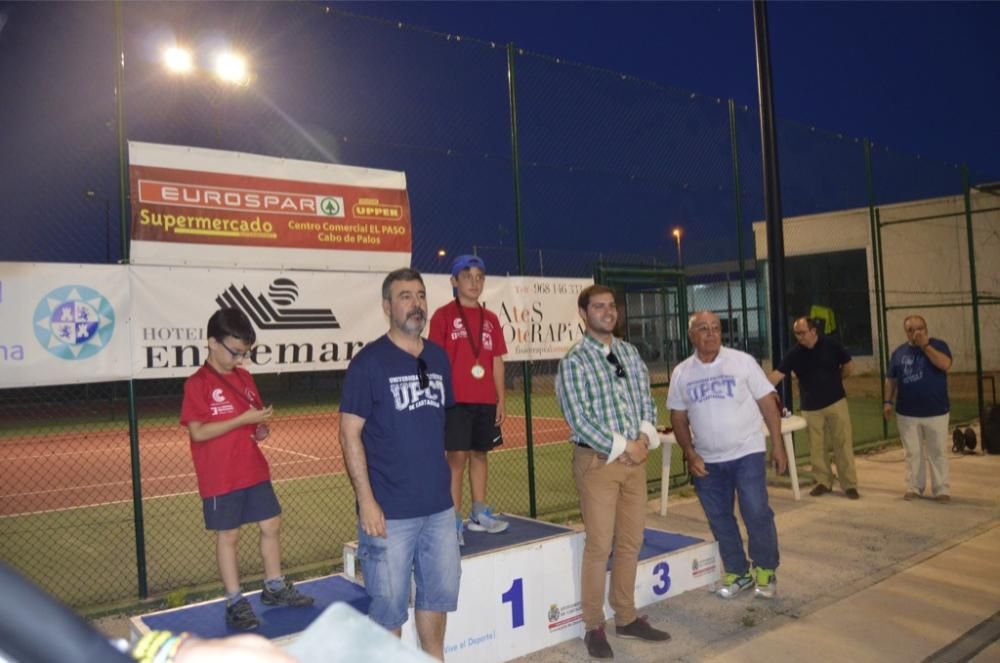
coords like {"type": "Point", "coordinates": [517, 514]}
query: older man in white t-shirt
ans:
{"type": "Point", "coordinates": [719, 399]}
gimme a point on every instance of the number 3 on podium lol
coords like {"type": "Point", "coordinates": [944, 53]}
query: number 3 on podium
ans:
{"type": "Point", "coordinates": [662, 570]}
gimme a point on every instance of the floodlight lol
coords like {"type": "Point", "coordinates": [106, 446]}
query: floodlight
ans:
{"type": "Point", "coordinates": [178, 60]}
{"type": "Point", "coordinates": [232, 68]}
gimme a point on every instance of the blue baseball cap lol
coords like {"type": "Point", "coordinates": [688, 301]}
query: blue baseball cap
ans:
{"type": "Point", "coordinates": [467, 262]}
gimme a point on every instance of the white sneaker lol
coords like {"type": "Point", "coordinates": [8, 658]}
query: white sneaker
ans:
{"type": "Point", "coordinates": [487, 522]}
{"type": "Point", "coordinates": [733, 584]}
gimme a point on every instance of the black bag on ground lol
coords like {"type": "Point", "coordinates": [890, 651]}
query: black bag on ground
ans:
{"type": "Point", "coordinates": [957, 441]}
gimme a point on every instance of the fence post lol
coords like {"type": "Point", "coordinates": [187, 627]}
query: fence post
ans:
{"type": "Point", "coordinates": [875, 230]}
{"type": "Point", "coordinates": [737, 194]}
{"type": "Point", "coordinates": [133, 421]}
{"type": "Point", "coordinates": [519, 227]}
{"type": "Point", "coordinates": [975, 292]}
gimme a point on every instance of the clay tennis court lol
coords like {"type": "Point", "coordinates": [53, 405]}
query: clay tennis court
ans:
{"type": "Point", "coordinates": [74, 470]}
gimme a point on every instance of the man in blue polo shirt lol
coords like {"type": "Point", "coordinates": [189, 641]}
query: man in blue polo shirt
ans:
{"type": "Point", "coordinates": [821, 363]}
{"type": "Point", "coordinates": [918, 385]}
{"type": "Point", "coordinates": [392, 417]}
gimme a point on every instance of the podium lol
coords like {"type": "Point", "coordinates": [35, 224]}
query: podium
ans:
{"type": "Point", "coordinates": [519, 591]}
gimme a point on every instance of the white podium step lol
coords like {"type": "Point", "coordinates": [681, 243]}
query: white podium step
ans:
{"type": "Point", "coordinates": [519, 592]}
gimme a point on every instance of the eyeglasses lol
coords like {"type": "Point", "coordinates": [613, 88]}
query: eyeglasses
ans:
{"type": "Point", "coordinates": [422, 377]}
{"type": "Point", "coordinates": [613, 360]}
{"type": "Point", "coordinates": [236, 355]}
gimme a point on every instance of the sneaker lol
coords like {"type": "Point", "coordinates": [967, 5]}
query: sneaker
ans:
{"type": "Point", "coordinates": [942, 499]}
{"type": "Point", "coordinates": [485, 521]}
{"type": "Point", "coordinates": [240, 615]}
{"type": "Point", "coordinates": [766, 583]}
{"type": "Point", "coordinates": [641, 629]}
{"type": "Point", "coordinates": [287, 595]}
{"type": "Point", "coordinates": [597, 644]}
{"type": "Point", "coordinates": [460, 526]}
{"type": "Point", "coordinates": [819, 489]}
{"type": "Point", "coordinates": [852, 494]}
{"type": "Point", "coordinates": [734, 583]}
{"type": "Point", "coordinates": [909, 496]}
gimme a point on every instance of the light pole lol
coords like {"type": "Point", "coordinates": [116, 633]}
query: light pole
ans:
{"type": "Point", "coordinates": [677, 239]}
{"type": "Point", "coordinates": [90, 194]}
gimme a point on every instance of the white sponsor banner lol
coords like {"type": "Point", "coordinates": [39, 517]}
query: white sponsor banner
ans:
{"type": "Point", "coordinates": [63, 324]}
{"type": "Point", "coordinates": [305, 321]}
{"type": "Point", "coordinates": [539, 315]}
{"type": "Point", "coordinates": [195, 206]}
{"type": "Point", "coordinates": [308, 321]}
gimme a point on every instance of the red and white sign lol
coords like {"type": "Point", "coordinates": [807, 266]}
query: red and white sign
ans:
{"type": "Point", "coordinates": [193, 206]}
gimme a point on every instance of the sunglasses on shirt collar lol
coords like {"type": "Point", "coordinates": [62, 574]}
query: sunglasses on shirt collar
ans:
{"type": "Point", "coordinates": [614, 361]}
{"type": "Point", "coordinates": [422, 377]}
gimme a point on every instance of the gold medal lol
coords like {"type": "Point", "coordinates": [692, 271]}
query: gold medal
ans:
{"type": "Point", "coordinates": [478, 371]}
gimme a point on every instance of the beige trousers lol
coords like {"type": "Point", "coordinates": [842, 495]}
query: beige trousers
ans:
{"type": "Point", "coordinates": [830, 431]}
{"type": "Point", "coordinates": [613, 505]}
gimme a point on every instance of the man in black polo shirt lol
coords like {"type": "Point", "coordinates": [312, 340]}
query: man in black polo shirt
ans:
{"type": "Point", "coordinates": [821, 363]}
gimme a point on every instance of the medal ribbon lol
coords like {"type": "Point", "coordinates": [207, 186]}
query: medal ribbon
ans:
{"type": "Point", "coordinates": [468, 332]}
{"type": "Point", "coordinates": [242, 396]}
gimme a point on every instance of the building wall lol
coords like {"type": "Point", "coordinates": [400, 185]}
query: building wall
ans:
{"type": "Point", "coordinates": [926, 268]}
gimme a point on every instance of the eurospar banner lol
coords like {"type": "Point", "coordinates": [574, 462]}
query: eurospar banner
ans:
{"type": "Point", "coordinates": [194, 206]}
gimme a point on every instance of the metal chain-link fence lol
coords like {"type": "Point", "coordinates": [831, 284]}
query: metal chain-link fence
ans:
{"type": "Point", "coordinates": [606, 168]}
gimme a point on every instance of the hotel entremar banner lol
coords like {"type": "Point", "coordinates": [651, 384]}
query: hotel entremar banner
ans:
{"type": "Point", "coordinates": [213, 208]}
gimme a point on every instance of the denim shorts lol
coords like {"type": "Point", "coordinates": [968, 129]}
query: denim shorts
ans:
{"type": "Point", "coordinates": [425, 547]}
{"type": "Point", "coordinates": [248, 505]}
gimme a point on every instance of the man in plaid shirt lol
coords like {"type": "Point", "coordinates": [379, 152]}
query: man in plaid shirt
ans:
{"type": "Point", "coordinates": [603, 389]}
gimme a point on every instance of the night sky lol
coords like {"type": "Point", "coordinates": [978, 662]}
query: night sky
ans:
{"type": "Point", "coordinates": [921, 77]}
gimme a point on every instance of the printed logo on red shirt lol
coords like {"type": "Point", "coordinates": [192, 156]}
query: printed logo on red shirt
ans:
{"type": "Point", "coordinates": [459, 332]}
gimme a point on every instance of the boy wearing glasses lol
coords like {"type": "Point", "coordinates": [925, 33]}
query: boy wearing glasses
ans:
{"type": "Point", "coordinates": [473, 339]}
{"type": "Point", "coordinates": [603, 389]}
{"type": "Point", "coordinates": [392, 414]}
{"type": "Point", "coordinates": [225, 418]}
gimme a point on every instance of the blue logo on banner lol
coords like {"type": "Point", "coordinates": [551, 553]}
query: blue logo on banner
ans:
{"type": "Point", "coordinates": [74, 322]}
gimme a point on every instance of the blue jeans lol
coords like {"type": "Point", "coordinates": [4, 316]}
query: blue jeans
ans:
{"type": "Point", "coordinates": [425, 548]}
{"type": "Point", "coordinates": [746, 479]}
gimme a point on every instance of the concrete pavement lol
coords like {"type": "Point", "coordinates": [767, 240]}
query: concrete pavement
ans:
{"type": "Point", "coordinates": [878, 579]}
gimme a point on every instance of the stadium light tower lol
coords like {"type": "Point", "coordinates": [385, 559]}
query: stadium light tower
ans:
{"type": "Point", "coordinates": [230, 70]}
{"type": "Point", "coordinates": [677, 239]}
{"type": "Point", "coordinates": [228, 66]}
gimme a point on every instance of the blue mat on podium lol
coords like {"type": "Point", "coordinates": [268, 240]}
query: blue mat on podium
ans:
{"type": "Point", "coordinates": [207, 619]}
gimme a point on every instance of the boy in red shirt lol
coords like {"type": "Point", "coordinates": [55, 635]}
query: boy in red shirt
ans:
{"type": "Point", "coordinates": [225, 418]}
{"type": "Point", "coordinates": [472, 426]}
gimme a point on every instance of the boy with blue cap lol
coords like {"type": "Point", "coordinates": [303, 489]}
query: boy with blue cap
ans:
{"type": "Point", "coordinates": [473, 339]}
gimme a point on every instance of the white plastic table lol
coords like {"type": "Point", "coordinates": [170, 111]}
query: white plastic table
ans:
{"type": "Point", "coordinates": [788, 426]}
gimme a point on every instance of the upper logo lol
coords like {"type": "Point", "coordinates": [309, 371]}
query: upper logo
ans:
{"type": "Point", "coordinates": [74, 322]}
{"type": "Point", "coordinates": [272, 311]}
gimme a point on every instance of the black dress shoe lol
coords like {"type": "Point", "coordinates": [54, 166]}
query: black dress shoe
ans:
{"type": "Point", "coordinates": [852, 494]}
{"type": "Point", "coordinates": [641, 629]}
{"type": "Point", "coordinates": [597, 644]}
{"type": "Point", "coordinates": [819, 489]}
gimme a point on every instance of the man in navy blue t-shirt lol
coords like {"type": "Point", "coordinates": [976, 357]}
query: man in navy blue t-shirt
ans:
{"type": "Point", "coordinates": [392, 416]}
{"type": "Point", "coordinates": [918, 383]}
